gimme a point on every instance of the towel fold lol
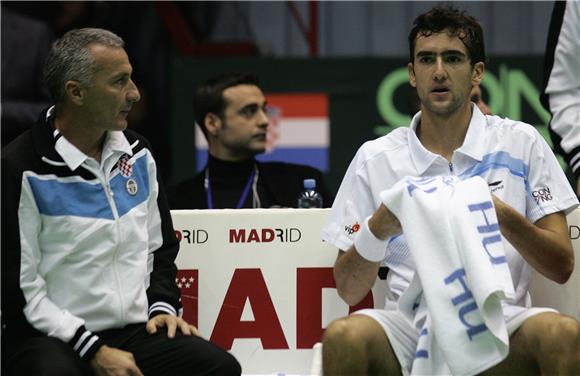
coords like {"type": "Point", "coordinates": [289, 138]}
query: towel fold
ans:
{"type": "Point", "coordinates": [454, 299]}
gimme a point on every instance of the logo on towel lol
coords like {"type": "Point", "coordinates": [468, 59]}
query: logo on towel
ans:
{"type": "Point", "coordinates": [351, 229]}
{"type": "Point", "coordinates": [542, 195]}
{"type": "Point", "coordinates": [125, 167]}
{"type": "Point", "coordinates": [496, 186]}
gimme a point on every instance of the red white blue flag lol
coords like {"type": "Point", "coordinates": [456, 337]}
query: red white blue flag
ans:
{"type": "Point", "coordinates": [299, 131]}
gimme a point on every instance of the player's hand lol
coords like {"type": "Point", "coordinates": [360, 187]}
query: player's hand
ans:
{"type": "Point", "coordinates": [109, 361]}
{"type": "Point", "coordinates": [500, 207]}
{"type": "Point", "coordinates": [383, 223]}
{"type": "Point", "coordinates": [172, 323]}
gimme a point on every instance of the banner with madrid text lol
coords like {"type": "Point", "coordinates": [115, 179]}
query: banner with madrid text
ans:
{"type": "Point", "coordinates": [259, 283]}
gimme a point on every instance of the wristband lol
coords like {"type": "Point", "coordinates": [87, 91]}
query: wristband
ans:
{"type": "Point", "coordinates": [368, 246]}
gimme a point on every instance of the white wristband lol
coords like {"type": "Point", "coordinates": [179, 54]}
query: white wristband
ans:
{"type": "Point", "coordinates": [368, 246]}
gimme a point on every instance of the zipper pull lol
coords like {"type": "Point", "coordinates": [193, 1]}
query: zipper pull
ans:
{"type": "Point", "coordinates": [110, 190]}
{"type": "Point", "coordinates": [451, 167]}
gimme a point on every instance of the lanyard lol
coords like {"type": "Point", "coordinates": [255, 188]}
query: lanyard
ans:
{"type": "Point", "coordinates": [244, 193]}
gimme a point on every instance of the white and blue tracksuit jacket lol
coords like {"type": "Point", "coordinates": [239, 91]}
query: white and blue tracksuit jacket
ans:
{"type": "Point", "coordinates": [85, 246]}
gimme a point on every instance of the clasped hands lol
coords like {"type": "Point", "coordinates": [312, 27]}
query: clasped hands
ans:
{"type": "Point", "coordinates": [383, 223]}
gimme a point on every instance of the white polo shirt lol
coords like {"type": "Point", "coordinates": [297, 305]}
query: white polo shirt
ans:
{"type": "Point", "coordinates": [511, 156]}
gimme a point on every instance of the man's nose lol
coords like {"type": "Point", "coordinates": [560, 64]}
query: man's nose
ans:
{"type": "Point", "coordinates": [439, 73]}
{"type": "Point", "coordinates": [263, 119]}
{"type": "Point", "coordinates": [133, 94]}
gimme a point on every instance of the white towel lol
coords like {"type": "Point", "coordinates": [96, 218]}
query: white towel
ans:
{"type": "Point", "coordinates": [461, 273]}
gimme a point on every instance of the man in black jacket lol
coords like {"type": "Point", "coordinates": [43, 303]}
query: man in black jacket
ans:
{"type": "Point", "coordinates": [231, 111]}
{"type": "Point", "coordinates": [88, 246]}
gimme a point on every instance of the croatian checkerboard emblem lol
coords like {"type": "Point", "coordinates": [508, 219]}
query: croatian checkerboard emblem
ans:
{"type": "Point", "coordinates": [125, 167]}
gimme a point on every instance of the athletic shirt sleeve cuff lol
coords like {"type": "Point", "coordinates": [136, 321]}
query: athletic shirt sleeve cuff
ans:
{"type": "Point", "coordinates": [159, 308]}
{"type": "Point", "coordinates": [85, 343]}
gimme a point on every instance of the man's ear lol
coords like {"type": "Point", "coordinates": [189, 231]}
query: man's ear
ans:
{"type": "Point", "coordinates": [412, 78]}
{"type": "Point", "coordinates": [75, 92]}
{"type": "Point", "coordinates": [213, 123]}
{"type": "Point", "coordinates": [478, 71]}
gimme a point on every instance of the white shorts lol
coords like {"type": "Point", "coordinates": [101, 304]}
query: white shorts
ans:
{"type": "Point", "coordinates": [403, 336]}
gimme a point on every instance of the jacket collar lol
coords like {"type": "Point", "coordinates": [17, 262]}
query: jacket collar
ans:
{"type": "Point", "coordinates": [54, 146]}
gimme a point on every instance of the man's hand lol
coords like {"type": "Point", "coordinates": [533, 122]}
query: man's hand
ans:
{"type": "Point", "coordinates": [172, 323]}
{"type": "Point", "coordinates": [500, 206]}
{"type": "Point", "coordinates": [109, 361]}
{"type": "Point", "coordinates": [383, 223]}
{"type": "Point", "coordinates": [356, 275]}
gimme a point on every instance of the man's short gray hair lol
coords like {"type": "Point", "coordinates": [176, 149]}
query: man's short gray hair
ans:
{"type": "Point", "coordinates": [70, 59]}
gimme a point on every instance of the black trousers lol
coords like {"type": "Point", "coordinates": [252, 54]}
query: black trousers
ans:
{"type": "Point", "coordinates": [155, 354]}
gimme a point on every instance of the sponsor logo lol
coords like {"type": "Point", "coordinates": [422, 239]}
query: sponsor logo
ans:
{"type": "Point", "coordinates": [542, 195]}
{"type": "Point", "coordinates": [265, 235]}
{"type": "Point", "coordinates": [496, 186]}
{"type": "Point", "coordinates": [351, 229]}
{"type": "Point", "coordinates": [192, 236]}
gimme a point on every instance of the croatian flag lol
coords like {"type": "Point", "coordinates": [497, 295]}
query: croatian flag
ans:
{"type": "Point", "coordinates": [299, 131]}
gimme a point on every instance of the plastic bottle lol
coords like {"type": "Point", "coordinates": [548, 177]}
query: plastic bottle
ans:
{"type": "Point", "coordinates": [309, 198]}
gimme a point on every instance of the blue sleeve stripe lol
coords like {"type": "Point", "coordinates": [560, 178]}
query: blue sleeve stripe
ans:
{"type": "Point", "coordinates": [422, 354]}
{"type": "Point", "coordinates": [57, 197]}
{"type": "Point", "coordinates": [500, 160]}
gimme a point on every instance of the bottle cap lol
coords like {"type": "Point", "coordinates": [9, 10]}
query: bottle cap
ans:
{"type": "Point", "coordinates": [309, 183]}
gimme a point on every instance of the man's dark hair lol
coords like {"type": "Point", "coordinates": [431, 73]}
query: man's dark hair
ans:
{"type": "Point", "coordinates": [455, 22]}
{"type": "Point", "coordinates": [209, 97]}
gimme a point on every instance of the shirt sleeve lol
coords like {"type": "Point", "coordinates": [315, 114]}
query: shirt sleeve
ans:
{"type": "Point", "coordinates": [162, 292]}
{"type": "Point", "coordinates": [549, 190]}
{"type": "Point", "coordinates": [353, 203]}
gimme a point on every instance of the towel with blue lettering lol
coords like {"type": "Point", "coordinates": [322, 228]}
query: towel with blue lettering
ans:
{"type": "Point", "coordinates": [454, 299]}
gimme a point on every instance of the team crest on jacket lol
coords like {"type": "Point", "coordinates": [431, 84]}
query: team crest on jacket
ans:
{"type": "Point", "coordinates": [125, 167]}
{"type": "Point", "coordinates": [131, 187]}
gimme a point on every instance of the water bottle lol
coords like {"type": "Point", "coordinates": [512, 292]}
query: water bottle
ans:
{"type": "Point", "coordinates": [309, 198]}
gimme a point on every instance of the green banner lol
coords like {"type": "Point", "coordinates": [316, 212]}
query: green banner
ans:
{"type": "Point", "coordinates": [368, 98]}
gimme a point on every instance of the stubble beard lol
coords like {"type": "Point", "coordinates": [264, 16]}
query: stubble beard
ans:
{"type": "Point", "coordinates": [443, 110]}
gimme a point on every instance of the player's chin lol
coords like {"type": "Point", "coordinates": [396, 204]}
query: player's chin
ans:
{"type": "Point", "coordinates": [441, 108]}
